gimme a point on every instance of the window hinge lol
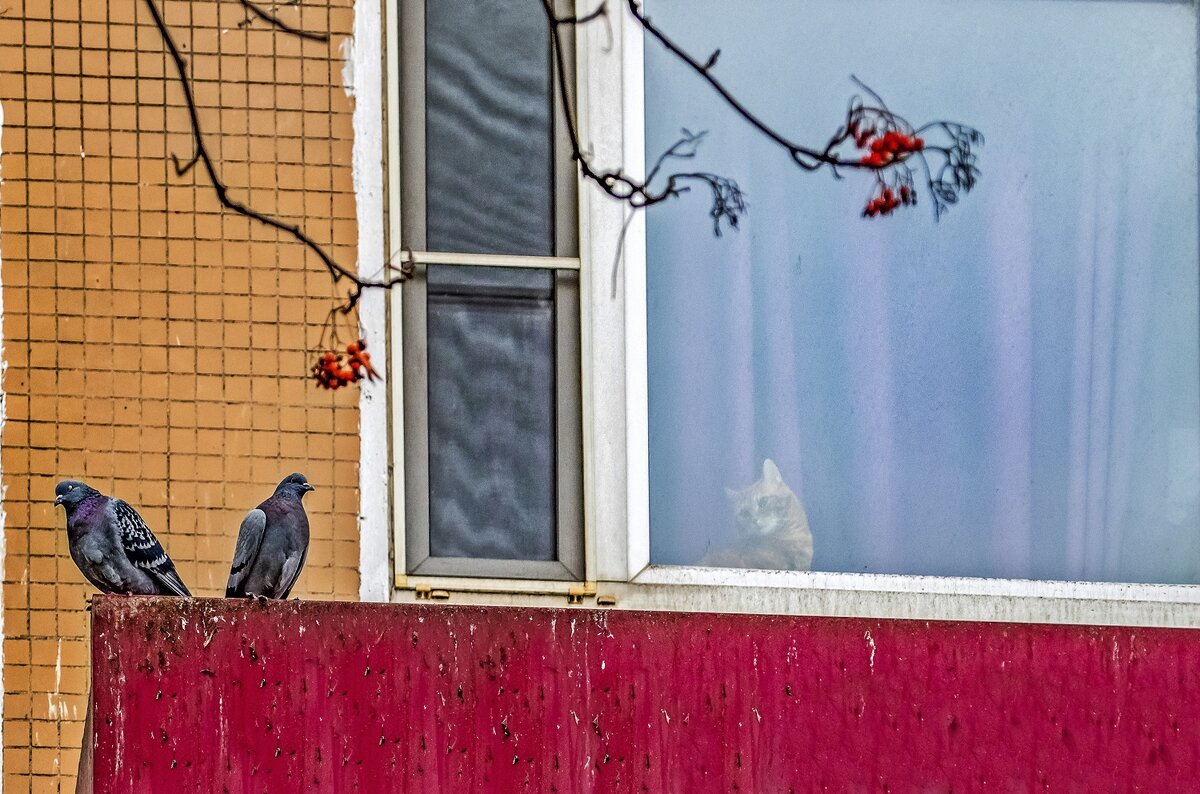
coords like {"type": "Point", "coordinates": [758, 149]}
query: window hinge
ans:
{"type": "Point", "coordinates": [424, 592]}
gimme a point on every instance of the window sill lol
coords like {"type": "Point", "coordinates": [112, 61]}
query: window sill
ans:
{"type": "Point", "coordinates": [912, 597]}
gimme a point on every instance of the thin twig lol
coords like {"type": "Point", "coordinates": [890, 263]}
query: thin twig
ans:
{"type": "Point", "coordinates": [807, 158]}
{"type": "Point", "coordinates": [276, 22]}
{"type": "Point", "coordinates": [336, 271]}
{"type": "Point", "coordinates": [957, 175]}
{"type": "Point", "coordinates": [180, 170]}
{"type": "Point", "coordinates": [636, 193]}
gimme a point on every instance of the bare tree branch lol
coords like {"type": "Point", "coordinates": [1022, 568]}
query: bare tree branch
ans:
{"type": "Point", "coordinates": [890, 144]}
{"type": "Point", "coordinates": [637, 193]}
{"type": "Point", "coordinates": [806, 158]}
{"type": "Point", "coordinates": [336, 271]}
{"type": "Point", "coordinates": [865, 125]}
{"type": "Point", "coordinates": [276, 22]}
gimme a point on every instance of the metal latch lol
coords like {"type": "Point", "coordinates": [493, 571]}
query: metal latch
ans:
{"type": "Point", "coordinates": [576, 594]}
{"type": "Point", "coordinates": [426, 593]}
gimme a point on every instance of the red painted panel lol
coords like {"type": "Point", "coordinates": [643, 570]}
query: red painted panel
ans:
{"type": "Point", "coordinates": [213, 695]}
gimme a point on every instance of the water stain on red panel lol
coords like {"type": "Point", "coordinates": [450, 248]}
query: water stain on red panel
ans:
{"type": "Point", "coordinates": [234, 696]}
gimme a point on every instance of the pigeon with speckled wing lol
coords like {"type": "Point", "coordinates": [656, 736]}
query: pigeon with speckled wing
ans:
{"type": "Point", "coordinates": [112, 545]}
{"type": "Point", "coordinates": [272, 544]}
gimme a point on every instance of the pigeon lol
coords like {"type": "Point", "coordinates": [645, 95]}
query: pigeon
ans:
{"type": "Point", "coordinates": [272, 544]}
{"type": "Point", "coordinates": [112, 545]}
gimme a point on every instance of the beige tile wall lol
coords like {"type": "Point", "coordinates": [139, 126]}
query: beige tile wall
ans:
{"type": "Point", "coordinates": [156, 345]}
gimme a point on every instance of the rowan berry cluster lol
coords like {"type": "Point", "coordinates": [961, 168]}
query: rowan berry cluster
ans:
{"type": "Point", "coordinates": [886, 148]}
{"type": "Point", "coordinates": [334, 369]}
{"type": "Point", "coordinates": [889, 200]}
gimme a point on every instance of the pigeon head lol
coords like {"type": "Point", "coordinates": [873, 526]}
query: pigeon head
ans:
{"type": "Point", "coordinates": [69, 493]}
{"type": "Point", "coordinates": [295, 485]}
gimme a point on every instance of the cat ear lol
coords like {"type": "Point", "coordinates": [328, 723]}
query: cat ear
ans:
{"type": "Point", "coordinates": [770, 471]}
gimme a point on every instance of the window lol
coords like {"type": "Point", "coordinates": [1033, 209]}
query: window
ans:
{"type": "Point", "coordinates": [491, 321]}
{"type": "Point", "coordinates": [1012, 393]}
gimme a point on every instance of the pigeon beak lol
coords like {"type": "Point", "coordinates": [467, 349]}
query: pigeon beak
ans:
{"type": "Point", "coordinates": [308, 487]}
{"type": "Point", "coordinates": [58, 500]}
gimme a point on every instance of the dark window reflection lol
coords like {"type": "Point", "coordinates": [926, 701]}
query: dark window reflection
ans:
{"type": "Point", "coordinates": [489, 128]}
{"type": "Point", "coordinates": [491, 413]}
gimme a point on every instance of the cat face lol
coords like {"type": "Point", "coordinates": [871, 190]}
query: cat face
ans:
{"type": "Point", "coordinates": [768, 506]}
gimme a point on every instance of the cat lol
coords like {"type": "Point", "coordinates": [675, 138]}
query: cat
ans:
{"type": "Point", "coordinates": [772, 528]}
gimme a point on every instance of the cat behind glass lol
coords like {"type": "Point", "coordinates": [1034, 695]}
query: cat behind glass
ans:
{"type": "Point", "coordinates": [772, 528]}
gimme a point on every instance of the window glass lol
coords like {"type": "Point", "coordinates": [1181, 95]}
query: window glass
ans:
{"type": "Point", "coordinates": [491, 413]}
{"type": "Point", "coordinates": [489, 129]}
{"type": "Point", "coordinates": [1011, 392]}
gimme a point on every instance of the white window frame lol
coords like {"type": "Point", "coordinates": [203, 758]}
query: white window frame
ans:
{"type": "Point", "coordinates": [610, 108]}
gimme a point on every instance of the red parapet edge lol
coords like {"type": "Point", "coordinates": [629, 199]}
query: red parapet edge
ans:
{"type": "Point", "coordinates": [213, 695]}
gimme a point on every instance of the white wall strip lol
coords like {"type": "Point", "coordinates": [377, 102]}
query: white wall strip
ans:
{"type": "Point", "coordinates": [364, 76]}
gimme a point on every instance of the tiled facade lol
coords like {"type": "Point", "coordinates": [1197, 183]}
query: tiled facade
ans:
{"type": "Point", "coordinates": [156, 345]}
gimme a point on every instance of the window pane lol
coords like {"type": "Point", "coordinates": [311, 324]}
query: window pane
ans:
{"type": "Point", "coordinates": [1011, 392]}
{"type": "Point", "coordinates": [489, 128]}
{"type": "Point", "coordinates": [491, 413]}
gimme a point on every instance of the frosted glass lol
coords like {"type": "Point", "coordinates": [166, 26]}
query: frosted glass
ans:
{"type": "Point", "coordinates": [489, 128]}
{"type": "Point", "coordinates": [491, 413]}
{"type": "Point", "coordinates": [1012, 392]}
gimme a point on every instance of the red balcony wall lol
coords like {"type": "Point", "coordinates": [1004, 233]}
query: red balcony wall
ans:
{"type": "Point", "coordinates": [213, 695]}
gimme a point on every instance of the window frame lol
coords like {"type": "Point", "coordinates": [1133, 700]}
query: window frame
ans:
{"type": "Point", "coordinates": [408, 125]}
{"type": "Point", "coordinates": [612, 267]}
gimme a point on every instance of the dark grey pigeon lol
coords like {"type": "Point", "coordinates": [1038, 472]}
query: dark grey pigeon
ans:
{"type": "Point", "coordinates": [272, 544]}
{"type": "Point", "coordinates": [112, 545]}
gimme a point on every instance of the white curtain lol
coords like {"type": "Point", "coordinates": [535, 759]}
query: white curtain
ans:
{"type": "Point", "coordinates": [1014, 391]}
